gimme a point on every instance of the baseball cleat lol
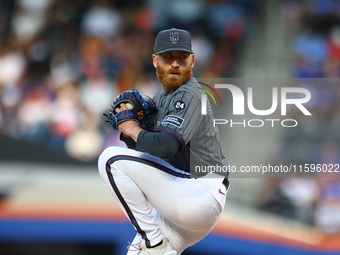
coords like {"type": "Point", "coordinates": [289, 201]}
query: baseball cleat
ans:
{"type": "Point", "coordinates": [164, 249]}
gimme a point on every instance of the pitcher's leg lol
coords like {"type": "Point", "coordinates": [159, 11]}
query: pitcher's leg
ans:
{"type": "Point", "coordinates": [188, 204]}
{"type": "Point", "coordinates": [185, 235]}
{"type": "Point", "coordinates": [131, 200]}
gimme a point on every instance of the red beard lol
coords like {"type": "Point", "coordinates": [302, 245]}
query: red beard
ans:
{"type": "Point", "coordinates": [171, 83]}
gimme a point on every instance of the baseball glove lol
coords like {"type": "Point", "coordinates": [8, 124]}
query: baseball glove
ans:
{"type": "Point", "coordinates": [141, 109]}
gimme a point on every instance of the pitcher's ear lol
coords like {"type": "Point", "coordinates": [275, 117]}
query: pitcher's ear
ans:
{"type": "Point", "coordinates": [193, 60]}
{"type": "Point", "coordinates": [154, 60]}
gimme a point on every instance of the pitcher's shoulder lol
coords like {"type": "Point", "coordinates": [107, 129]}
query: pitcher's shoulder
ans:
{"type": "Point", "coordinates": [193, 87]}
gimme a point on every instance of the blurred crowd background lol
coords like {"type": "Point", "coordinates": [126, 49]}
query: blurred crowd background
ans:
{"type": "Point", "coordinates": [313, 34]}
{"type": "Point", "coordinates": [63, 61]}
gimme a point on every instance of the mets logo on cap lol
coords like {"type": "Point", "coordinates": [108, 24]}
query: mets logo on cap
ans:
{"type": "Point", "coordinates": [174, 37]}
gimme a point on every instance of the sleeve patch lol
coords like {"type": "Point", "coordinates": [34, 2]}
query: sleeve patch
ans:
{"type": "Point", "coordinates": [173, 120]}
{"type": "Point", "coordinates": [179, 105]}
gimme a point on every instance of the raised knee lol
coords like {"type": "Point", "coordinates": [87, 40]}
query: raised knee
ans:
{"type": "Point", "coordinates": [111, 151]}
{"type": "Point", "coordinates": [108, 153]}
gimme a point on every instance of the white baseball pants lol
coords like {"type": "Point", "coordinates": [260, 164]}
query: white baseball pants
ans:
{"type": "Point", "coordinates": [184, 209]}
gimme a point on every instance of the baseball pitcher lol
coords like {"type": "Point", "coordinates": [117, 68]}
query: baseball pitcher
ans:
{"type": "Point", "coordinates": [170, 205]}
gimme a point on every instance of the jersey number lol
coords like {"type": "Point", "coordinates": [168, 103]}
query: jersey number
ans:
{"type": "Point", "coordinates": [179, 105]}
